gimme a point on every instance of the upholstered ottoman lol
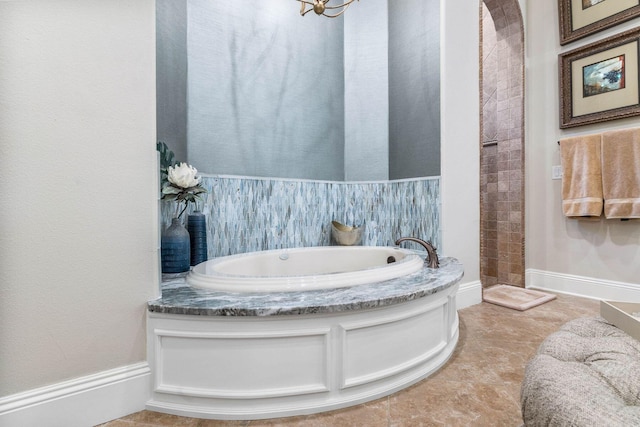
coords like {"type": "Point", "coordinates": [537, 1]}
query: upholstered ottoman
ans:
{"type": "Point", "coordinates": [586, 374]}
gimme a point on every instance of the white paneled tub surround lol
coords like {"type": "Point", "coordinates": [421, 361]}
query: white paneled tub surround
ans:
{"type": "Point", "coordinates": [251, 356]}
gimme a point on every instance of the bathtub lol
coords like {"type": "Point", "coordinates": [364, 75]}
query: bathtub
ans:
{"type": "Point", "coordinates": [304, 269]}
{"type": "Point", "coordinates": [255, 354]}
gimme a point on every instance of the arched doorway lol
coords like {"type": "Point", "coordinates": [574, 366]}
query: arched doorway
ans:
{"type": "Point", "coordinates": [502, 244]}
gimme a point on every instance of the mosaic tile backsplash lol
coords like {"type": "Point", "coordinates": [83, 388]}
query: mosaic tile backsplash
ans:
{"type": "Point", "coordinates": [252, 214]}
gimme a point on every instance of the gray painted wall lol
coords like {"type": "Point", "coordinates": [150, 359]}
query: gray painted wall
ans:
{"type": "Point", "coordinates": [274, 94]}
{"type": "Point", "coordinates": [414, 88]}
{"type": "Point", "coordinates": [266, 90]}
{"type": "Point", "coordinates": [366, 153]}
{"type": "Point", "coordinates": [171, 75]}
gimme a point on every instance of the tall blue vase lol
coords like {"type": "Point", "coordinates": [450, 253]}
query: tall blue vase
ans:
{"type": "Point", "coordinates": [175, 248]}
{"type": "Point", "coordinates": [197, 227]}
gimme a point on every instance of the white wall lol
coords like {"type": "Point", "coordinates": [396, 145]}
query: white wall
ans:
{"type": "Point", "coordinates": [608, 250]}
{"type": "Point", "coordinates": [461, 134]}
{"type": "Point", "coordinates": [78, 218]}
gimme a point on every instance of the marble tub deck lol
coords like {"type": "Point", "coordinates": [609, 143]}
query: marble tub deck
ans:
{"type": "Point", "coordinates": [180, 298]}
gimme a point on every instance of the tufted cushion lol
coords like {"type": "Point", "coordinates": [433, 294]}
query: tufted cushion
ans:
{"type": "Point", "coordinates": [586, 374]}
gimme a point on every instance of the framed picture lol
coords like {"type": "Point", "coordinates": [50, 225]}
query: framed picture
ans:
{"type": "Point", "coordinates": [599, 82]}
{"type": "Point", "coordinates": [580, 18]}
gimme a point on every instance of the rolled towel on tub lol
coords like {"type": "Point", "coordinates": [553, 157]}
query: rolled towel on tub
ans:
{"type": "Point", "coordinates": [621, 173]}
{"type": "Point", "coordinates": [581, 176]}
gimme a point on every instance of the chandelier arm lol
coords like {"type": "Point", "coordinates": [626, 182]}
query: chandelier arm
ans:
{"type": "Point", "coordinates": [323, 3]}
{"type": "Point", "coordinates": [345, 5]}
{"type": "Point", "coordinates": [337, 14]}
{"type": "Point", "coordinates": [333, 16]}
{"type": "Point", "coordinates": [303, 6]}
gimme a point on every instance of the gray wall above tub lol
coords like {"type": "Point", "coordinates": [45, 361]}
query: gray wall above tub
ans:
{"type": "Point", "coordinates": [171, 75]}
{"type": "Point", "coordinates": [366, 97]}
{"type": "Point", "coordinates": [266, 90]}
{"type": "Point", "coordinates": [414, 88]}
{"type": "Point", "coordinates": [273, 94]}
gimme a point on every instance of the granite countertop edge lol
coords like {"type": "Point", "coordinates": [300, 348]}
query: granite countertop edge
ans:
{"type": "Point", "coordinates": [180, 298]}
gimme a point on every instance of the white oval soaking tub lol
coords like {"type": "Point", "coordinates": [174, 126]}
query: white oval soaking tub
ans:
{"type": "Point", "coordinates": [304, 269]}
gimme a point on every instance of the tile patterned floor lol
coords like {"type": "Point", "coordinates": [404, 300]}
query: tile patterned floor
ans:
{"type": "Point", "coordinates": [479, 386]}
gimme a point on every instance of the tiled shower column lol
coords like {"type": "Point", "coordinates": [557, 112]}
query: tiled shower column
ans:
{"type": "Point", "coordinates": [502, 156]}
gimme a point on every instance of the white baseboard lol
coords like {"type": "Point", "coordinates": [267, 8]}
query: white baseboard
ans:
{"type": "Point", "coordinates": [469, 294]}
{"type": "Point", "coordinates": [582, 286]}
{"type": "Point", "coordinates": [82, 402]}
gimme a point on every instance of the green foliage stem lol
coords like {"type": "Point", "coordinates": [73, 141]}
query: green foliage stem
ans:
{"type": "Point", "coordinates": [167, 158]}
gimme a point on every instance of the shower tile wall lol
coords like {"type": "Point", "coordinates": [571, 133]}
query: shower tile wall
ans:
{"type": "Point", "coordinates": [250, 214]}
{"type": "Point", "coordinates": [502, 165]}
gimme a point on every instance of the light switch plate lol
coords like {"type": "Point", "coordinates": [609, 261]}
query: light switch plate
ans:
{"type": "Point", "coordinates": [556, 172]}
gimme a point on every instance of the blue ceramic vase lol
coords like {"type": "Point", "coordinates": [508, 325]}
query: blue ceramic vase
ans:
{"type": "Point", "coordinates": [197, 227]}
{"type": "Point", "coordinates": [175, 248]}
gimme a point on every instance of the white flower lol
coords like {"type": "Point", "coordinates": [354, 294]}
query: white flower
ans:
{"type": "Point", "coordinates": [183, 175]}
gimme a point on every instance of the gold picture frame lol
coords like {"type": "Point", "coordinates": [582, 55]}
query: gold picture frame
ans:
{"type": "Point", "coordinates": [600, 81]}
{"type": "Point", "coordinates": [580, 18]}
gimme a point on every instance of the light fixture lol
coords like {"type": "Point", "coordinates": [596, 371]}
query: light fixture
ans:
{"type": "Point", "coordinates": [320, 7]}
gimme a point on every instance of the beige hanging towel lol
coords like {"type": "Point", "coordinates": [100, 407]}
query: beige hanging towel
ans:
{"type": "Point", "coordinates": [581, 176]}
{"type": "Point", "coordinates": [621, 173]}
